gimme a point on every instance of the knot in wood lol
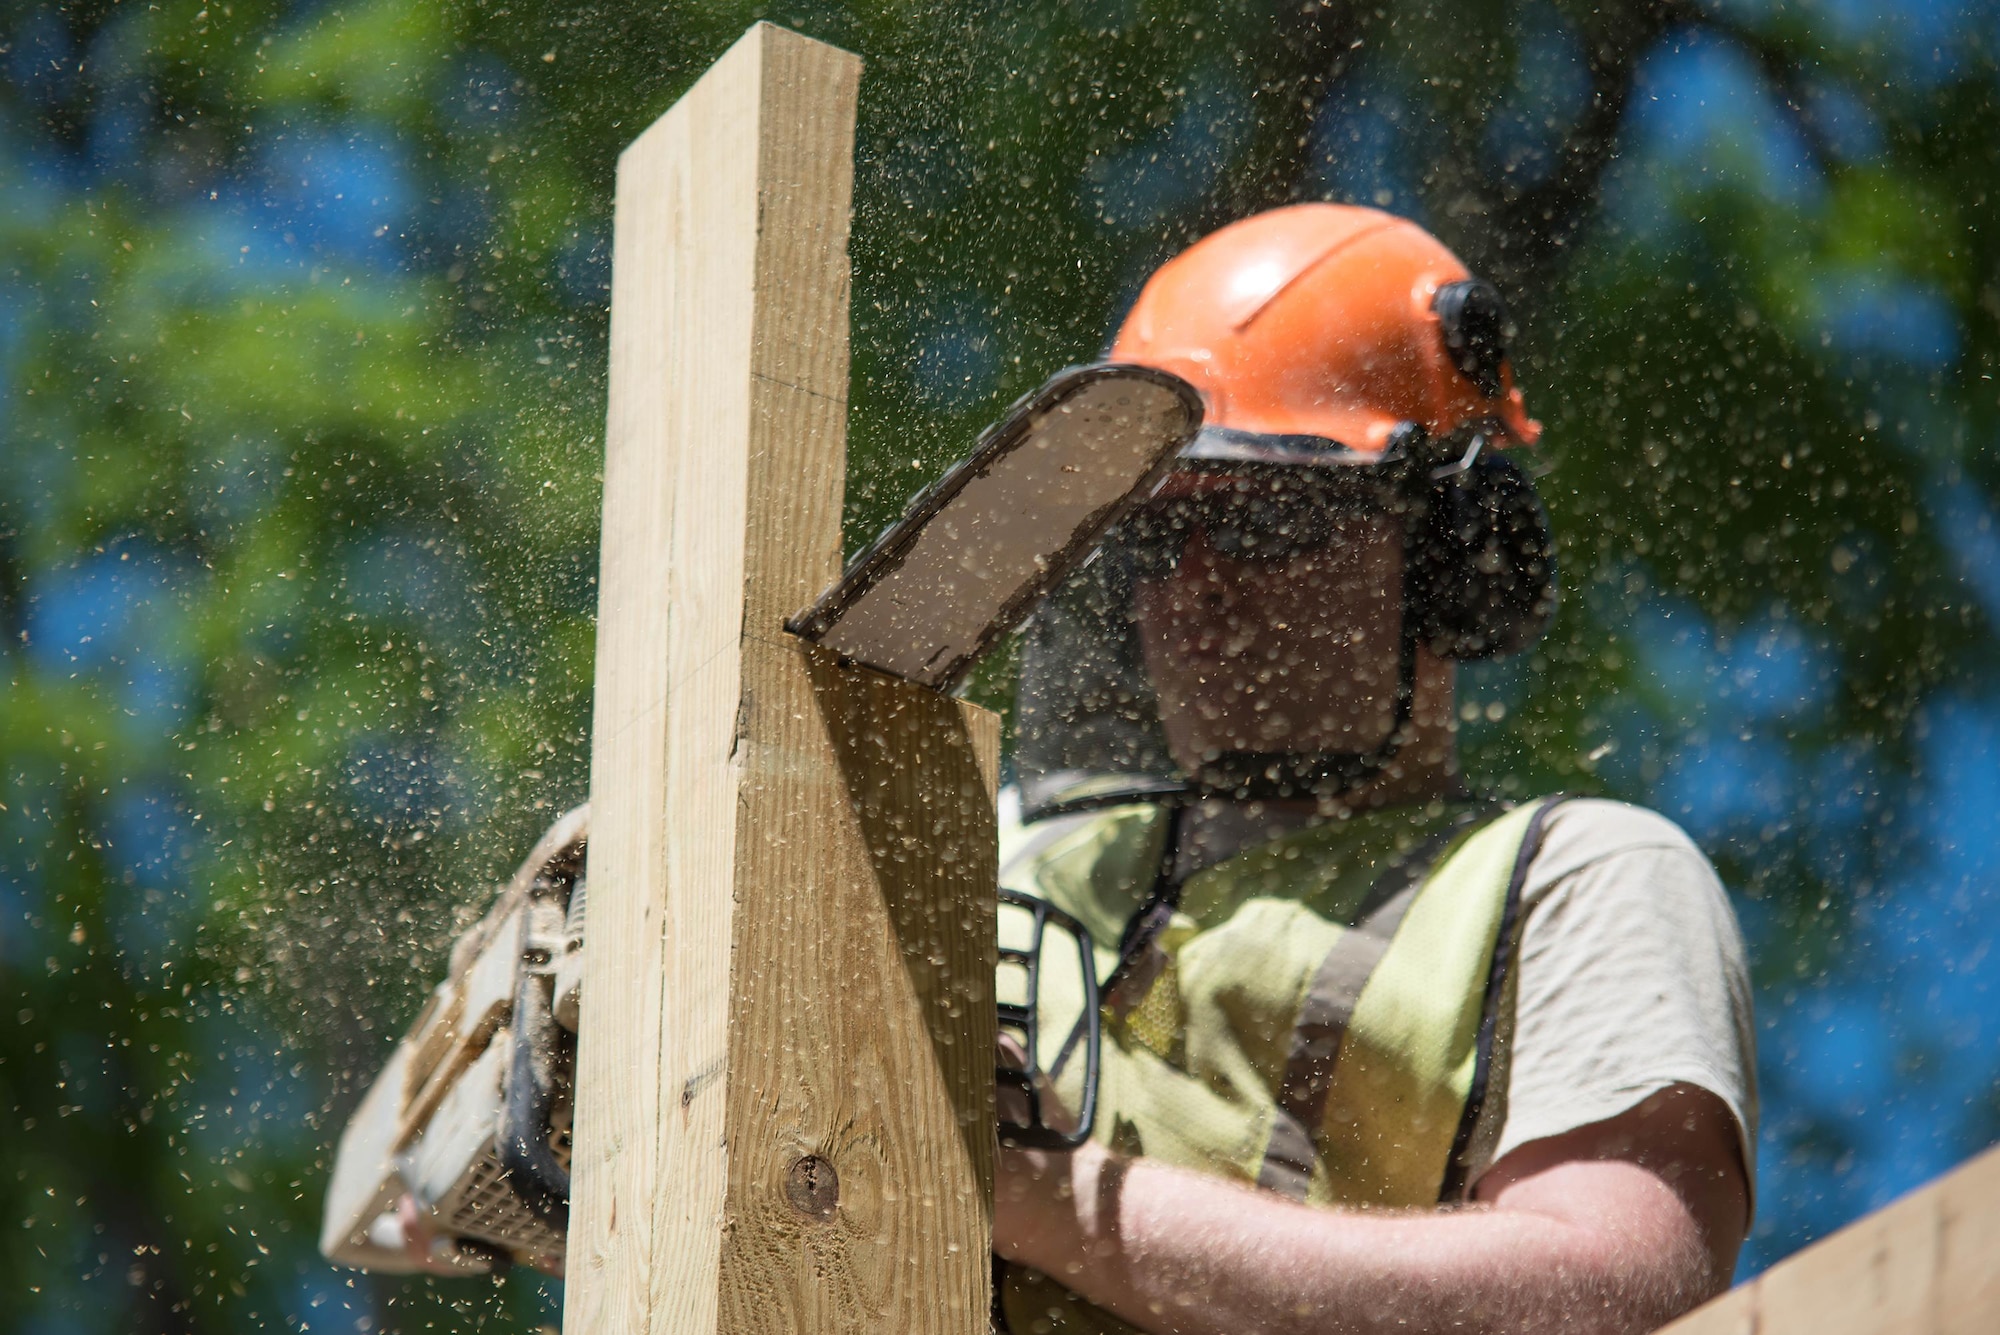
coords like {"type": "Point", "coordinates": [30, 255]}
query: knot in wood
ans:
{"type": "Point", "coordinates": [812, 1187]}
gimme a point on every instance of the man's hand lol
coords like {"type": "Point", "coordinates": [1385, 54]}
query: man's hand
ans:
{"type": "Point", "coordinates": [1613, 1229]}
{"type": "Point", "coordinates": [1011, 1101]}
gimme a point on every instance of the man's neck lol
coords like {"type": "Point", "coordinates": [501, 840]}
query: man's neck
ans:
{"type": "Point", "coordinates": [1424, 770]}
{"type": "Point", "coordinates": [1217, 829]}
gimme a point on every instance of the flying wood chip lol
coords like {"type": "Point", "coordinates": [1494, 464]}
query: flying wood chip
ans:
{"type": "Point", "coordinates": [975, 551]}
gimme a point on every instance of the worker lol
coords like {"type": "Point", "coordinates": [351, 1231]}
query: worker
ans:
{"type": "Point", "coordinates": [1379, 1055]}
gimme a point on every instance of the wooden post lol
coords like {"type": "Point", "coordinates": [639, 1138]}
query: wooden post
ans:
{"type": "Point", "coordinates": [784, 1083]}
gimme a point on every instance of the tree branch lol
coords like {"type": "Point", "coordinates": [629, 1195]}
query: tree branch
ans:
{"type": "Point", "coordinates": [1311, 52]}
{"type": "Point", "coordinates": [1528, 231]}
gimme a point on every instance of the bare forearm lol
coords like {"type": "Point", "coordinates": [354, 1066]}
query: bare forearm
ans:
{"type": "Point", "coordinates": [1175, 1251]}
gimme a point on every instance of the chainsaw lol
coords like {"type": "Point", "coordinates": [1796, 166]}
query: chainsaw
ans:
{"type": "Point", "coordinates": [464, 1137]}
{"type": "Point", "coordinates": [469, 1123]}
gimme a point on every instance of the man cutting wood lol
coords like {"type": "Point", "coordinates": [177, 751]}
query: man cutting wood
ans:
{"type": "Point", "coordinates": [1378, 1055]}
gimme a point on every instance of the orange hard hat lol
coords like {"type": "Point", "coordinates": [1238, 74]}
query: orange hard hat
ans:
{"type": "Point", "coordinates": [1332, 321]}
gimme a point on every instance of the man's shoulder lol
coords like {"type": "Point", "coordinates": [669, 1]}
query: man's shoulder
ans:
{"type": "Point", "coordinates": [1581, 831]}
{"type": "Point", "coordinates": [1632, 977]}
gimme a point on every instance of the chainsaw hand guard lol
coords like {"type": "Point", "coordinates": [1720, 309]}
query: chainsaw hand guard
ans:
{"type": "Point", "coordinates": [1048, 1003]}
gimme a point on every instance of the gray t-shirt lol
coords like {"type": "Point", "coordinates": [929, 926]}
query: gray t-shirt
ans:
{"type": "Point", "coordinates": [1631, 978]}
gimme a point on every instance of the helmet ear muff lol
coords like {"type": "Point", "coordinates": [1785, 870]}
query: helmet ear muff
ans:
{"type": "Point", "coordinates": [1483, 578]}
{"type": "Point", "coordinates": [1473, 318]}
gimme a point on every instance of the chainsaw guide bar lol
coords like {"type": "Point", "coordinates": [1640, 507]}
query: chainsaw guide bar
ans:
{"type": "Point", "coordinates": [975, 551]}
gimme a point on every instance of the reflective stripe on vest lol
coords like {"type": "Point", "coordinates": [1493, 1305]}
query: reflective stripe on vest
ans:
{"type": "Point", "coordinates": [1324, 1026]}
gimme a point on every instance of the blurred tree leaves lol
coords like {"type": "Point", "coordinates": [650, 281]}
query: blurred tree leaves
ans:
{"type": "Point", "coordinates": [301, 341]}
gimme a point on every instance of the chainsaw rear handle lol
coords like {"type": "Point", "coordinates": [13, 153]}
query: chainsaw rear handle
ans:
{"type": "Point", "coordinates": [540, 1066]}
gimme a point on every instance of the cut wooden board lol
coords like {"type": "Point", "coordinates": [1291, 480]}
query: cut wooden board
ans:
{"type": "Point", "coordinates": [975, 551]}
{"type": "Point", "coordinates": [1928, 1264]}
{"type": "Point", "coordinates": [785, 1065]}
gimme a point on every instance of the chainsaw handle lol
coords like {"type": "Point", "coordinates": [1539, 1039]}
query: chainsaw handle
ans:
{"type": "Point", "coordinates": [538, 1178]}
{"type": "Point", "coordinates": [1036, 1133]}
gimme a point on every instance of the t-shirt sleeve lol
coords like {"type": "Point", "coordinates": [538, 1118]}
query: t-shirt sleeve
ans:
{"type": "Point", "coordinates": [1631, 977]}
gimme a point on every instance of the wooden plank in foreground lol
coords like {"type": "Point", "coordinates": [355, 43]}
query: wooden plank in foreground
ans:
{"type": "Point", "coordinates": [1927, 1265]}
{"type": "Point", "coordinates": [785, 1073]}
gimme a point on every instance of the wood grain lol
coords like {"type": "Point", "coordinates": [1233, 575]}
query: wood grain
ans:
{"type": "Point", "coordinates": [788, 986]}
{"type": "Point", "coordinates": [862, 1003]}
{"type": "Point", "coordinates": [1928, 1264]}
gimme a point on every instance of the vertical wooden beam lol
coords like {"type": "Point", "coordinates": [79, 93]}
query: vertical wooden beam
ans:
{"type": "Point", "coordinates": [784, 1078]}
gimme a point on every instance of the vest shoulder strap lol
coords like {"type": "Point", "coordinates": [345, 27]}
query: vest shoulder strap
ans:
{"type": "Point", "coordinates": [1459, 1165]}
{"type": "Point", "coordinates": [1391, 1054]}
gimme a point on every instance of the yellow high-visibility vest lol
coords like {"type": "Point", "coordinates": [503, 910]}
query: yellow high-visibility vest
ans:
{"type": "Point", "coordinates": [1324, 1019]}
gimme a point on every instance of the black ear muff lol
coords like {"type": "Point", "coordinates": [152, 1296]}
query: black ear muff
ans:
{"type": "Point", "coordinates": [1483, 577]}
{"type": "Point", "coordinates": [1476, 331]}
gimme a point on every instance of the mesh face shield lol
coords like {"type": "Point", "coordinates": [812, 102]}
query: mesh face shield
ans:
{"type": "Point", "coordinates": [1087, 723]}
{"type": "Point", "coordinates": [1088, 713]}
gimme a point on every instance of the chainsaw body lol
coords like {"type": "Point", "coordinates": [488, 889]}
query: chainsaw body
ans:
{"type": "Point", "coordinates": [471, 1117]}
